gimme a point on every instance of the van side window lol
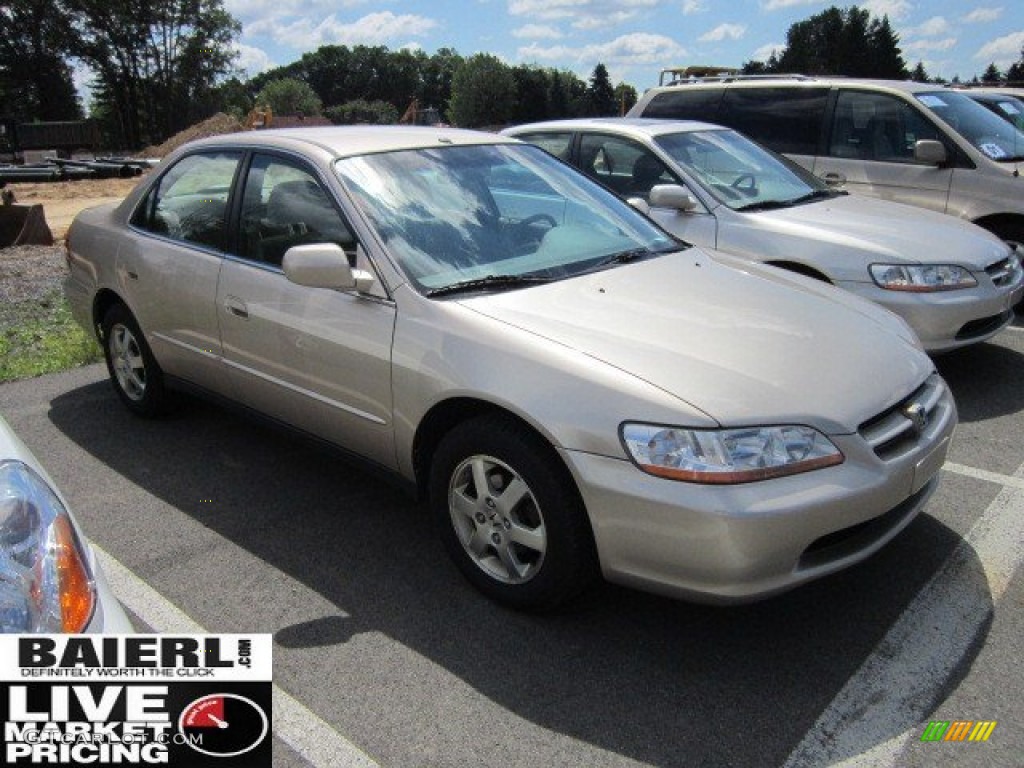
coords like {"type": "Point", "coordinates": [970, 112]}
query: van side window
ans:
{"type": "Point", "coordinates": [877, 126]}
{"type": "Point", "coordinates": [686, 104]}
{"type": "Point", "coordinates": [784, 119]}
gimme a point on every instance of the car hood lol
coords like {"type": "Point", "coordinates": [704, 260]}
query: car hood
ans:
{"type": "Point", "coordinates": [887, 231]}
{"type": "Point", "coordinates": [745, 343]}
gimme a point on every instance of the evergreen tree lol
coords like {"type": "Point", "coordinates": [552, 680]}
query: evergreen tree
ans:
{"type": "Point", "coordinates": [992, 75]}
{"type": "Point", "coordinates": [601, 94]}
{"type": "Point", "coordinates": [919, 75]}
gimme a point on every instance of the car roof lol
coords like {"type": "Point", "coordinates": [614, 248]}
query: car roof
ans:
{"type": "Point", "coordinates": [638, 127]}
{"type": "Point", "coordinates": [804, 81]}
{"type": "Point", "coordinates": [351, 140]}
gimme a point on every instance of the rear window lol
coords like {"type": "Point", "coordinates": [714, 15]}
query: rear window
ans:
{"type": "Point", "coordinates": [686, 104]}
{"type": "Point", "coordinates": [784, 119]}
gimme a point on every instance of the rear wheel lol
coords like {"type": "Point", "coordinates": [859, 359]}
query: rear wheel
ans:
{"type": "Point", "coordinates": [510, 516]}
{"type": "Point", "coordinates": [134, 372]}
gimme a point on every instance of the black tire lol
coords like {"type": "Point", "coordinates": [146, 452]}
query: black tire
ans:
{"type": "Point", "coordinates": [133, 370]}
{"type": "Point", "coordinates": [509, 566]}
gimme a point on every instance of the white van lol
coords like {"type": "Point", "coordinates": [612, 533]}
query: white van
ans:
{"type": "Point", "coordinates": [915, 143]}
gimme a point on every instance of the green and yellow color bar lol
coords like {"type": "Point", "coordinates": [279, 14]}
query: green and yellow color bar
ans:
{"type": "Point", "coordinates": [958, 730]}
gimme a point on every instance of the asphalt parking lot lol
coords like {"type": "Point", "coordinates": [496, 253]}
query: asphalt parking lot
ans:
{"type": "Point", "coordinates": [384, 655]}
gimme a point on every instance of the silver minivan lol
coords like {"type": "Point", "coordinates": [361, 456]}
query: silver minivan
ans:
{"type": "Point", "coordinates": [916, 143]}
{"type": "Point", "coordinates": [953, 282]}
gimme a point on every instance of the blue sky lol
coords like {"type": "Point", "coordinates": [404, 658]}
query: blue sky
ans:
{"type": "Point", "coordinates": [633, 38]}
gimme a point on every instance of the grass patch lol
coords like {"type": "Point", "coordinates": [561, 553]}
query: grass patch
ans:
{"type": "Point", "coordinates": [40, 336]}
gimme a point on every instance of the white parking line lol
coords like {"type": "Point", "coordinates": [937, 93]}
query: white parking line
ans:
{"type": "Point", "coordinates": [883, 705]}
{"type": "Point", "coordinates": [296, 725]}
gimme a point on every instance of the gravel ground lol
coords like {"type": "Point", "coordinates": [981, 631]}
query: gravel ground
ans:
{"type": "Point", "coordinates": [30, 273]}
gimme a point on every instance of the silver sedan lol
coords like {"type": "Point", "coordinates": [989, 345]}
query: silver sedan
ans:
{"type": "Point", "coordinates": [50, 581]}
{"type": "Point", "coordinates": [575, 391]}
{"type": "Point", "coordinates": [955, 283]}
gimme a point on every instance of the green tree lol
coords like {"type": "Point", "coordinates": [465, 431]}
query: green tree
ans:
{"type": "Point", "coordinates": [919, 75]}
{"type": "Point", "coordinates": [839, 42]}
{"type": "Point", "coordinates": [483, 92]}
{"type": "Point", "coordinates": [601, 94]}
{"type": "Point", "coordinates": [1015, 73]}
{"type": "Point", "coordinates": [531, 102]}
{"type": "Point", "coordinates": [289, 96]}
{"type": "Point", "coordinates": [625, 97]}
{"type": "Point", "coordinates": [364, 112]}
{"type": "Point", "coordinates": [992, 75]}
{"type": "Point", "coordinates": [35, 79]}
{"type": "Point", "coordinates": [156, 64]}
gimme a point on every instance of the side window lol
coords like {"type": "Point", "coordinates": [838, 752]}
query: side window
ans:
{"type": "Point", "coordinates": [558, 144]}
{"type": "Point", "coordinates": [285, 205]}
{"type": "Point", "coordinates": [626, 166]}
{"type": "Point", "coordinates": [787, 120]}
{"type": "Point", "coordinates": [877, 126]}
{"type": "Point", "coordinates": [686, 103]}
{"type": "Point", "coordinates": [190, 201]}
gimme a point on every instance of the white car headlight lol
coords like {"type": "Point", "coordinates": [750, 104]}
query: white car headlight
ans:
{"type": "Point", "coordinates": [45, 581]}
{"type": "Point", "coordinates": [728, 456]}
{"type": "Point", "coordinates": [921, 278]}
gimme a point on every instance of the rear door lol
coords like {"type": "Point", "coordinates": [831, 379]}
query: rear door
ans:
{"type": "Point", "coordinates": [169, 267]}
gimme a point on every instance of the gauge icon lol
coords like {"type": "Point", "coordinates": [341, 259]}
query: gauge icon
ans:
{"type": "Point", "coordinates": [223, 724]}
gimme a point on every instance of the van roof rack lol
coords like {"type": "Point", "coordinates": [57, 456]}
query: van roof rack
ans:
{"type": "Point", "coordinates": [723, 77]}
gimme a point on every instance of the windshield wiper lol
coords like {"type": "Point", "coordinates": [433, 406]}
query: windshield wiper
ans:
{"type": "Point", "coordinates": [488, 282]}
{"type": "Point", "coordinates": [768, 205]}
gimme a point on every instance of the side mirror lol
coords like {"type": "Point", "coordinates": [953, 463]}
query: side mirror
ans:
{"type": "Point", "coordinates": [324, 265]}
{"type": "Point", "coordinates": [672, 196]}
{"type": "Point", "coordinates": [930, 151]}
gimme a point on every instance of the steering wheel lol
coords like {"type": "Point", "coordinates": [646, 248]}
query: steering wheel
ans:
{"type": "Point", "coordinates": [745, 183]}
{"type": "Point", "coordinates": [523, 235]}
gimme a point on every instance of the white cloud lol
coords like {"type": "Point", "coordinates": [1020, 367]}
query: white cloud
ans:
{"type": "Point", "coordinates": [981, 15]}
{"type": "Point", "coordinates": [637, 48]}
{"type": "Point", "coordinates": [775, 5]}
{"type": "Point", "coordinates": [537, 32]}
{"type": "Point", "coordinates": [944, 44]}
{"type": "Point", "coordinates": [1004, 50]}
{"type": "Point", "coordinates": [935, 26]}
{"type": "Point", "coordinates": [694, 6]}
{"type": "Point", "coordinates": [372, 29]}
{"type": "Point", "coordinates": [723, 31]}
{"type": "Point", "coordinates": [896, 10]}
{"type": "Point", "coordinates": [251, 59]}
{"type": "Point", "coordinates": [585, 14]}
{"type": "Point", "coordinates": [765, 51]}
{"type": "Point", "coordinates": [256, 10]}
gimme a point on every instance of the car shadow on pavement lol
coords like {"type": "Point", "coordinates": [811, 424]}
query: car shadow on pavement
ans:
{"type": "Point", "coordinates": [985, 379]}
{"type": "Point", "coordinates": [655, 680]}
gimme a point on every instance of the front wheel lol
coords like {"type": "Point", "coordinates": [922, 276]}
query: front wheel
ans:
{"type": "Point", "coordinates": [134, 372]}
{"type": "Point", "coordinates": [510, 516]}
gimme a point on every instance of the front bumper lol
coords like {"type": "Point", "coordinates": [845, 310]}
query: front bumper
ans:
{"type": "Point", "coordinates": [948, 320]}
{"type": "Point", "coordinates": [744, 542]}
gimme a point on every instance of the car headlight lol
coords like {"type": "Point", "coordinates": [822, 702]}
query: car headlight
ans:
{"type": "Point", "coordinates": [728, 456]}
{"type": "Point", "coordinates": [45, 581]}
{"type": "Point", "coordinates": [921, 278]}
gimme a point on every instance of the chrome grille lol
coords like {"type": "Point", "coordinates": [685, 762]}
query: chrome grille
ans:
{"type": "Point", "coordinates": [895, 430]}
{"type": "Point", "coordinates": [1002, 272]}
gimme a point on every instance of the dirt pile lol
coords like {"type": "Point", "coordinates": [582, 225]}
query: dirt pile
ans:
{"type": "Point", "coordinates": [212, 126]}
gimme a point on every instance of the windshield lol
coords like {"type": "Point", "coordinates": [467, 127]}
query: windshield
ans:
{"type": "Point", "coordinates": [480, 215]}
{"type": "Point", "coordinates": [994, 137]}
{"type": "Point", "coordinates": [738, 172]}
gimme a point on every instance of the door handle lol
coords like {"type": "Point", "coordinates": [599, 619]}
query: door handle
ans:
{"type": "Point", "coordinates": [236, 307]}
{"type": "Point", "coordinates": [834, 179]}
